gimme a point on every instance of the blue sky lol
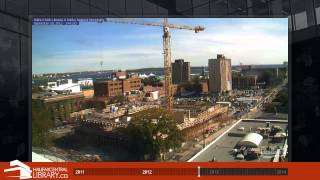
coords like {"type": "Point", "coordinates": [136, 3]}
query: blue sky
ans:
{"type": "Point", "coordinates": [81, 47]}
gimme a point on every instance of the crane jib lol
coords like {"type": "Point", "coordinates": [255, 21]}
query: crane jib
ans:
{"type": "Point", "coordinates": [166, 49]}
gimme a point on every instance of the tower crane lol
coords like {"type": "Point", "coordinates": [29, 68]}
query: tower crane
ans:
{"type": "Point", "coordinates": [166, 49]}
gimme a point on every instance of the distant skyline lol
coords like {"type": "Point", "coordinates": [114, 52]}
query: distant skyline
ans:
{"type": "Point", "coordinates": [73, 48]}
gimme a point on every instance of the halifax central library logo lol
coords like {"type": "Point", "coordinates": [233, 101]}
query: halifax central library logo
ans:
{"type": "Point", "coordinates": [25, 171]}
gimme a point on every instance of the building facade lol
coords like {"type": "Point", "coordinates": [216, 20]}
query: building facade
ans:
{"type": "Point", "coordinates": [180, 71]}
{"type": "Point", "coordinates": [203, 88]}
{"type": "Point", "coordinates": [119, 74]}
{"type": "Point", "coordinates": [58, 107]}
{"type": "Point", "coordinates": [241, 82]}
{"type": "Point", "coordinates": [220, 79]}
{"type": "Point", "coordinates": [113, 88]}
{"type": "Point", "coordinates": [63, 86]}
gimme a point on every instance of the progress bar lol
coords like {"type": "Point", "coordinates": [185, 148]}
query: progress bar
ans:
{"type": "Point", "coordinates": [244, 171]}
{"type": "Point", "coordinates": [197, 171]}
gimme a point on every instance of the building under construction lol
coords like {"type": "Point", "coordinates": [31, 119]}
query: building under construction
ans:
{"type": "Point", "coordinates": [100, 128]}
{"type": "Point", "coordinates": [195, 122]}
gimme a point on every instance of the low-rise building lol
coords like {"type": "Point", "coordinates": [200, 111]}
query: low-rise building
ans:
{"type": "Point", "coordinates": [64, 85]}
{"type": "Point", "coordinates": [153, 95]}
{"type": "Point", "coordinates": [59, 107]}
{"type": "Point", "coordinates": [242, 82]}
{"type": "Point", "coordinates": [119, 74]}
{"type": "Point", "coordinates": [85, 82]}
{"type": "Point", "coordinates": [112, 88]}
{"type": "Point", "coordinates": [88, 93]}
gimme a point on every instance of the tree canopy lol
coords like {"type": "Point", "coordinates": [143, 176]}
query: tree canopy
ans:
{"type": "Point", "coordinates": [152, 81]}
{"type": "Point", "coordinates": [152, 132]}
{"type": "Point", "coordinates": [41, 123]}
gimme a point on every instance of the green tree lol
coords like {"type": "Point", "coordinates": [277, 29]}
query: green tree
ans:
{"type": "Point", "coordinates": [152, 81]}
{"type": "Point", "coordinates": [152, 132]}
{"type": "Point", "coordinates": [266, 77]}
{"type": "Point", "coordinates": [282, 98]}
{"type": "Point", "coordinates": [188, 86]}
{"type": "Point", "coordinates": [271, 78]}
{"type": "Point", "coordinates": [192, 85]}
{"type": "Point", "coordinates": [41, 123]}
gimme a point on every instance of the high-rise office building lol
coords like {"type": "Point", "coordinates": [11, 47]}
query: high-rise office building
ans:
{"type": "Point", "coordinates": [180, 71]}
{"type": "Point", "coordinates": [220, 79]}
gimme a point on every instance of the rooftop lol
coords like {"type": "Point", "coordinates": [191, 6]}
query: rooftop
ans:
{"type": "Point", "coordinates": [222, 147]}
{"type": "Point", "coordinates": [49, 97]}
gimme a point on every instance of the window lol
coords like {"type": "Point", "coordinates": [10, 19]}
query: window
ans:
{"type": "Point", "coordinates": [134, 7]}
{"type": "Point", "coordinates": [301, 20]}
{"type": "Point", "coordinates": [9, 22]}
{"type": "Point", "coordinates": [18, 7]}
{"type": "Point", "coordinates": [183, 5]}
{"type": "Point", "coordinates": [238, 7]}
{"type": "Point", "coordinates": [60, 7]}
{"type": "Point", "coordinates": [218, 7]}
{"type": "Point", "coordinates": [201, 7]}
{"type": "Point", "coordinates": [10, 61]}
{"type": "Point", "coordinates": [290, 23]}
{"type": "Point", "coordinates": [162, 11]}
{"type": "Point", "coordinates": [39, 7]}
{"type": "Point", "coordinates": [2, 5]}
{"type": "Point", "coordinates": [260, 9]}
{"type": "Point", "coordinates": [117, 6]}
{"type": "Point", "coordinates": [317, 9]}
{"type": "Point", "coordinates": [303, 13]}
{"type": "Point", "coordinates": [148, 7]}
{"type": "Point", "coordinates": [279, 7]}
{"type": "Point", "coordinates": [99, 6]}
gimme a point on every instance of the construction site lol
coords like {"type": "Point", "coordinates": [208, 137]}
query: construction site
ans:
{"type": "Point", "coordinates": [198, 121]}
{"type": "Point", "coordinates": [100, 128]}
{"type": "Point", "coordinates": [106, 122]}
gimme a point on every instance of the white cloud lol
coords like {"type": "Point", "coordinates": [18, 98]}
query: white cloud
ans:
{"type": "Point", "coordinates": [259, 43]}
{"type": "Point", "coordinates": [255, 44]}
{"type": "Point", "coordinates": [249, 43]}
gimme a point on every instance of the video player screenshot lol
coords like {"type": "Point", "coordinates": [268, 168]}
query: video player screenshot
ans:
{"type": "Point", "coordinates": [153, 89]}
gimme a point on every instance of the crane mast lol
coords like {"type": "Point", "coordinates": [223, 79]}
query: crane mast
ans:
{"type": "Point", "coordinates": [166, 50]}
{"type": "Point", "coordinates": [167, 66]}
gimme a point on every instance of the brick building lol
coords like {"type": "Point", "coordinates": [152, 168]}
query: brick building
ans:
{"type": "Point", "coordinates": [58, 107]}
{"type": "Point", "coordinates": [175, 89]}
{"type": "Point", "coordinates": [112, 88]}
{"type": "Point", "coordinates": [241, 82]}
